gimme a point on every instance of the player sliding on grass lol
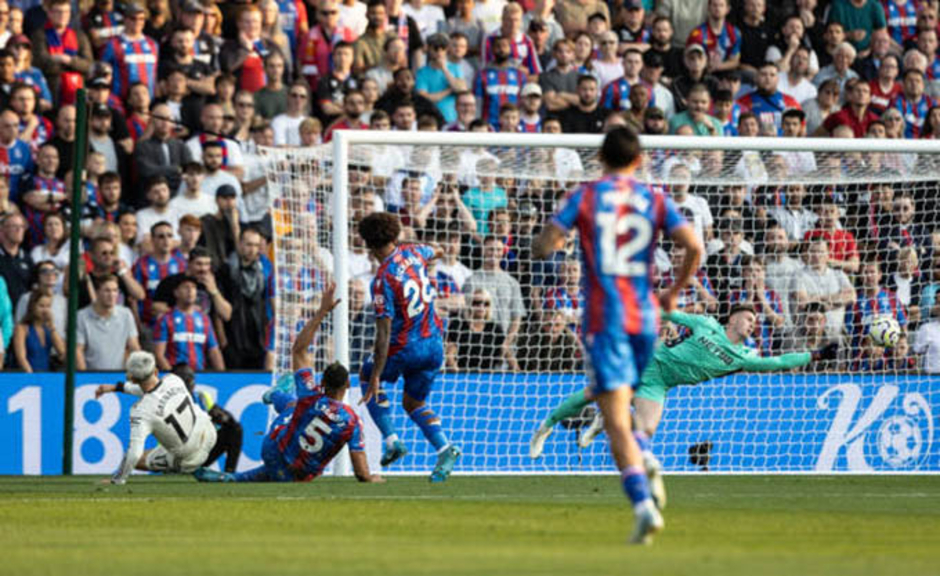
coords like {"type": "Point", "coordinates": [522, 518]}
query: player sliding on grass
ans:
{"type": "Point", "coordinates": [408, 339]}
{"type": "Point", "coordinates": [619, 218]}
{"type": "Point", "coordinates": [312, 426]}
{"type": "Point", "coordinates": [185, 433]}
{"type": "Point", "coordinates": [706, 351]}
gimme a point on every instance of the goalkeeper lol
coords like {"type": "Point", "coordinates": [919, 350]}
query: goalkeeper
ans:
{"type": "Point", "coordinates": [706, 351]}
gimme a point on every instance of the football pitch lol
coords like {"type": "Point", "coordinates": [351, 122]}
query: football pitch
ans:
{"type": "Point", "coordinates": [716, 525]}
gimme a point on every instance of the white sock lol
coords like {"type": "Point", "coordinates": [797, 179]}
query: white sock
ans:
{"type": "Point", "coordinates": [390, 440]}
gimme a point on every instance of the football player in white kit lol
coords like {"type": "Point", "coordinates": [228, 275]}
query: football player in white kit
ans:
{"type": "Point", "coordinates": [166, 409]}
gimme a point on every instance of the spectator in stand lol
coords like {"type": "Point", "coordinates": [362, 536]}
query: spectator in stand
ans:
{"type": "Point", "coordinates": [353, 109]}
{"type": "Point", "coordinates": [500, 82]}
{"type": "Point", "coordinates": [220, 230]}
{"type": "Point", "coordinates": [42, 193]}
{"type": "Point", "coordinates": [586, 116]}
{"type": "Point", "coordinates": [35, 130]}
{"type": "Point", "coordinates": [607, 63]}
{"type": "Point", "coordinates": [901, 230]}
{"type": "Point", "coordinates": [856, 114]}
{"type": "Point", "coordinates": [756, 34]}
{"type": "Point", "coordinates": [466, 23]}
{"type": "Point", "coordinates": [567, 296]}
{"type": "Point", "coordinates": [35, 337]}
{"type": "Point", "coordinates": [820, 108]}
{"type": "Point", "coordinates": [508, 306]}
{"type": "Point", "coordinates": [616, 94]}
{"type": "Point", "coordinates": [105, 327]}
{"type": "Point", "coordinates": [661, 43]}
{"type": "Point", "coordinates": [181, 55]}
{"type": "Point", "coordinates": [55, 246]}
{"type": "Point", "coordinates": [138, 110]}
{"type": "Point", "coordinates": [315, 56]}
{"type": "Point", "coordinates": [104, 261]}
{"type": "Point", "coordinates": [209, 297]}
{"type": "Point", "coordinates": [913, 103]}
{"type": "Point", "coordinates": [768, 338]}
{"type": "Point", "coordinates": [475, 341]}
{"type": "Point", "coordinates": [696, 115]}
{"type": "Point", "coordinates": [371, 44]}
{"type": "Point", "coordinates": [428, 16]}
{"type": "Point", "coordinates": [101, 140]}
{"type": "Point", "coordinates": [22, 49]}
{"type": "Point", "coordinates": [872, 301]}
{"type": "Point", "coordinates": [402, 91]}
{"type": "Point", "coordinates": [901, 19]}
{"type": "Point", "coordinates": [190, 232]}
{"type": "Point", "coordinates": [212, 117]}
{"type": "Point", "coordinates": [457, 54]}
{"type": "Point", "coordinates": [843, 253]}
{"type": "Point", "coordinates": [250, 288]}
{"type": "Point", "coordinates": [440, 80]}
{"type": "Point", "coordinates": [185, 334]}
{"type": "Point", "coordinates": [695, 73]}
{"type": "Point", "coordinates": [17, 160]}
{"type": "Point", "coordinates": [724, 268]}
{"type": "Point", "coordinates": [286, 126]}
{"type": "Point", "coordinates": [161, 154]}
{"type": "Point", "coordinates": [861, 19]}
{"type": "Point", "coordinates": [867, 66]}
{"type": "Point", "coordinates": [133, 56]}
{"type": "Point", "coordinates": [885, 87]}
{"type": "Point", "coordinates": [272, 99]}
{"type": "Point", "coordinates": [487, 196]}
{"type": "Point", "coordinates": [394, 57]}
{"type": "Point", "coordinates": [16, 266]}
{"type": "Point", "coordinates": [151, 268]}
{"type": "Point", "coordinates": [522, 53]}
{"type": "Point", "coordinates": [841, 67]}
{"type": "Point", "coordinates": [560, 82]}
{"type": "Point", "coordinates": [192, 198]}
{"type": "Point", "coordinates": [791, 214]}
{"type": "Point", "coordinates": [48, 278]}
{"type": "Point", "coordinates": [781, 270]}
{"type": "Point", "coordinates": [767, 102]}
{"type": "Point", "coordinates": [720, 39]}
{"type": "Point", "coordinates": [549, 345]}
{"type": "Point", "coordinates": [509, 119]}
{"type": "Point", "coordinates": [632, 30]}
{"type": "Point", "coordinates": [103, 22]}
{"type": "Point", "coordinates": [927, 338]}
{"type": "Point", "coordinates": [821, 283]}
{"type": "Point", "coordinates": [699, 213]}
{"type": "Point", "coordinates": [243, 56]}
{"type": "Point", "coordinates": [530, 118]}
{"type": "Point", "coordinates": [796, 77]}
{"type": "Point", "coordinates": [699, 296]}
{"type": "Point", "coordinates": [63, 54]}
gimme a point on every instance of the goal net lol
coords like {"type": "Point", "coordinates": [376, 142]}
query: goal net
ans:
{"type": "Point", "coordinates": [820, 236]}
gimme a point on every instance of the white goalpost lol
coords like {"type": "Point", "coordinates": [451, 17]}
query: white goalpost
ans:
{"type": "Point", "coordinates": [511, 322]}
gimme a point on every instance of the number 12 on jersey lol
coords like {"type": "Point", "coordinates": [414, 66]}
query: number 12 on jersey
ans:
{"type": "Point", "coordinates": [622, 237]}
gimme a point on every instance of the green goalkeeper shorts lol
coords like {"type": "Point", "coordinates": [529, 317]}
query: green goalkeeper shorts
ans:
{"type": "Point", "coordinates": [654, 391]}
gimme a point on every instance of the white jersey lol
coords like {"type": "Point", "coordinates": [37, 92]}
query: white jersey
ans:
{"type": "Point", "coordinates": [182, 428]}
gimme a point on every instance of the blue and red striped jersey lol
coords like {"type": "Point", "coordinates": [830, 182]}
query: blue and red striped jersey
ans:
{"type": "Point", "coordinates": [768, 109]}
{"type": "Point", "coordinates": [317, 430]}
{"type": "Point", "coordinates": [522, 52]}
{"type": "Point", "coordinates": [15, 162]}
{"type": "Point", "coordinates": [293, 19]}
{"type": "Point", "coordinates": [33, 77]}
{"type": "Point", "coordinates": [726, 43]}
{"type": "Point", "coordinates": [497, 86]}
{"type": "Point", "coordinates": [914, 113]}
{"type": "Point", "coordinates": [866, 308]}
{"type": "Point", "coordinates": [149, 271]}
{"type": "Point", "coordinates": [618, 219]}
{"type": "Point", "coordinates": [403, 292]}
{"type": "Point", "coordinates": [188, 337]}
{"type": "Point", "coordinates": [616, 95]}
{"type": "Point", "coordinates": [901, 20]}
{"type": "Point", "coordinates": [36, 218]}
{"type": "Point", "coordinates": [133, 61]}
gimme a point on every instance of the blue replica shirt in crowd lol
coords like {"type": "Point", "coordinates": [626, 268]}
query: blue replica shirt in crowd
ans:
{"type": "Point", "coordinates": [866, 308]}
{"type": "Point", "coordinates": [497, 86]}
{"type": "Point", "coordinates": [149, 271]}
{"type": "Point", "coordinates": [726, 43]}
{"type": "Point", "coordinates": [33, 77]}
{"type": "Point", "coordinates": [317, 429]}
{"type": "Point", "coordinates": [133, 61]}
{"type": "Point", "coordinates": [768, 109]}
{"type": "Point", "coordinates": [616, 95]}
{"type": "Point", "coordinates": [15, 162]}
{"type": "Point", "coordinates": [188, 337]}
{"type": "Point", "coordinates": [36, 218]}
{"type": "Point", "coordinates": [403, 292]}
{"type": "Point", "coordinates": [901, 19]}
{"type": "Point", "coordinates": [914, 113]}
{"type": "Point", "coordinates": [618, 219]}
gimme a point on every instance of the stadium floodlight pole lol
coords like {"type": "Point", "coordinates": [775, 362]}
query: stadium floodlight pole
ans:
{"type": "Point", "coordinates": [78, 185]}
{"type": "Point", "coordinates": [342, 465]}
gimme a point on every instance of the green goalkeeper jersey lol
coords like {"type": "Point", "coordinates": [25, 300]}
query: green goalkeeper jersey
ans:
{"type": "Point", "coordinates": [704, 354]}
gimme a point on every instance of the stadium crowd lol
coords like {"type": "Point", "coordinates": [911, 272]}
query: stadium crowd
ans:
{"type": "Point", "coordinates": [178, 218]}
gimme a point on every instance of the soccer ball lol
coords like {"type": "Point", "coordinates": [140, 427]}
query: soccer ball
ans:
{"type": "Point", "coordinates": [885, 331]}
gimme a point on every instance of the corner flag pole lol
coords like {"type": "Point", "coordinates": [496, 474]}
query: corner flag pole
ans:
{"type": "Point", "coordinates": [78, 185]}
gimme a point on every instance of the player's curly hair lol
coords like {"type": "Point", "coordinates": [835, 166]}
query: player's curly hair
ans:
{"type": "Point", "coordinates": [379, 229]}
{"type": "Point", "coordinates": [335, 377]}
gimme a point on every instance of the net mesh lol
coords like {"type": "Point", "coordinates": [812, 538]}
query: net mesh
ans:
{"type": "Point", "coordinates": [793, 234]}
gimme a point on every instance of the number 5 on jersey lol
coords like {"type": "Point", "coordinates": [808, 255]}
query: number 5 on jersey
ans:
{"type": "Point", "coordinates": [622, 237]}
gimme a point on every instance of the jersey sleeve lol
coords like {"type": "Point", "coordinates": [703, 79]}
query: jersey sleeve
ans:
{"type": "Point", "coordinates": [161, 329]}
{"type": "Point", "coordinates": [672, 216]}
{"type": "Point", "coordinates": [691, 321]}
{"type": "Point", "coordinates": [382, 299]}
{"type": "Point", "coordinates": [425, 251]}
{"type": "Point", "coordinates": [774, 363]}
{"type": "Point", "coordinates": [356, 443]}
{"type": "Point", "coordinates": [568, 213]}
{"type": "Point", "coordinates": [140, 429]}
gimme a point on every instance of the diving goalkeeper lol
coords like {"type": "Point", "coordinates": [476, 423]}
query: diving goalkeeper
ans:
{"type": "Point", "coordinates": [706, 351]}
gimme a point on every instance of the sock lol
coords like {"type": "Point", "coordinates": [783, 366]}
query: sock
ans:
{"type": "Point", "coordinates": [282, 401]}
{"type": "Point", "coordinates": [635, 484]}
{"type": "Point", "coordinates": [259, 474]}
{"type": "Point", "coordinates": [430, 426]}
{"type": "Point", "coordinates": [381, 411]}
{"type": "Point", "coordinates": [390, 440]}
{"type": "Point", "coordinates": [642, 440]}
{"type": "Point", "coordinates": [570, 407]}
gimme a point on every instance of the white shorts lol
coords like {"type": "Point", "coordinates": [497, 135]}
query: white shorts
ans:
{"type": "Point", "coordinates": [193, 455]}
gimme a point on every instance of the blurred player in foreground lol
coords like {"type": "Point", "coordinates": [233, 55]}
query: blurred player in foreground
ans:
{"type": "Point", "coordinates": [706, 351]}
{"type": "Point", "coordinates": [312, 426]}
{"type": "Point", "coordinates": [618, 219]}
{"type": "Point", "coordinates": [227, 429]}
{"type": "Point", "coordinates": [408, 340]}
{"type": "Point", "coordinates": [166, 409]}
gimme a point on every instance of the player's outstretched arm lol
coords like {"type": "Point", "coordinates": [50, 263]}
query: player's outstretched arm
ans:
{"type": "Point", "coordinates": [787, 361]}
{"type": "Point", "coordinates": [383, 334]}
{"type": "Point", "coordinates": [300, 355]}
{"type": "Point", "coordinates": [361, 468]}
{"type": "Point", "coordinates": [551, 239]}
{"type": "Point", "coordinates": [685, 237]}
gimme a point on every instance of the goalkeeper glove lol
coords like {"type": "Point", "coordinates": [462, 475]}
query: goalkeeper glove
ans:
{"type": "Point", "coordinates": [827, 352]}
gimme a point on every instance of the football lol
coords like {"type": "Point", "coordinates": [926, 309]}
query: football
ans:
{"type": "Point", "coordinates": [885, 331]}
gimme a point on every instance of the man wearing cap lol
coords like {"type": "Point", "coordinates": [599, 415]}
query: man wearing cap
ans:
{"type": "Point", "coordinates": [651, 74]}
{"type": "Point", "coordinates": [314, 57]}
{"type": "Point", "coordinates": [132, 55]}
{"type": "Point", "coordinates": [22, 49]}
{"type": "Point", "coordinates": [544, 12]}
{"type": "Point", "coordinates": [633, 32]}
{"type": "Point", "coordinates": [767, 102]}
{"type": "Point", "coordinates": [181, 55]}
{"type": "Point", "coordinates": [100, 140]}
{"type": "Point", "coordinates": [162, 154]}
{"type": "Point", "coordinates": [220, 230]}
{"type": "Point", "coordinates": [102, 23]}
{"type": "Point", "coordinates": [560, 83]}
{"type": "Point", "coordinates": [530, 118]}
{"type": "Point", "coordinates": [192, 16]}
{"type": "Point", "coordinates": [63, 54]}
{"type": "Point", "coordinates": [522, 53]}
{"type": "Point", "coordinates": [721, 39]}
{"type": "Point", "coordinates": [440, 80]}
{"type": "Point", "coordinates": [696, 63]}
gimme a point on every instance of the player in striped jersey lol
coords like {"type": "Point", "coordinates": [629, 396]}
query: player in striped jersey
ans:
{"type": "Point", "coordinates": [313, 424]}
{"type": "Point", "coordinates": [132, 54]}
{"type": "Point", "coordinates": [185, 333]}
{"type": "Point", "coordinates": [408, 339]}
{"type": "Point", "coordinates": [618, 219]}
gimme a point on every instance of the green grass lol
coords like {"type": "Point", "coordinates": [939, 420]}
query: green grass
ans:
{"type": "Point", "coordinates": [716, 525]}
